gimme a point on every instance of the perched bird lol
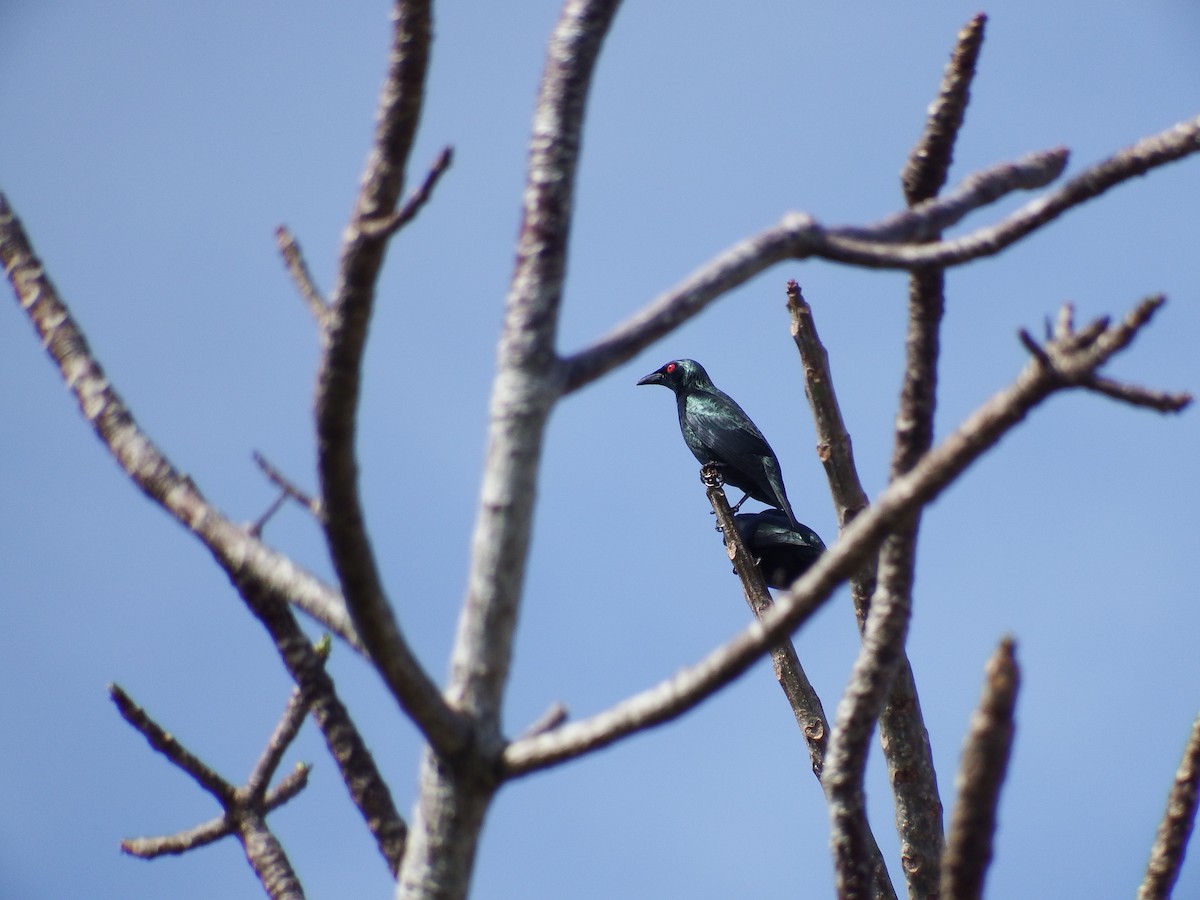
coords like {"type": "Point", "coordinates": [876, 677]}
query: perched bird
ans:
{"type": "Point", "coordinates": [720, 434]}
{"type": "Point", "coordinates": [784, 552]}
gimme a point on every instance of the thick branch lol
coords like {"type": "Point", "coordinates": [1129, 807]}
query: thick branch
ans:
{"type": "Point", "coordinates": [980, 775]}
{"type": "Point", "coordinates": [1166, 856]}
{"type": "Point", "coordinates": [941, 466]}
{"type": "Point", "coordinates": [266, 856]}
{"type": "Point", "coordinates": [799, 236]}
{"type": "Point", "coordinates": [454, 795]}
{"type": "Point", "coordinates": [339, 381]}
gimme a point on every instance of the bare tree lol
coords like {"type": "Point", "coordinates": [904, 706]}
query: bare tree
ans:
{"type": "Point", "coordinates": [468, 754]}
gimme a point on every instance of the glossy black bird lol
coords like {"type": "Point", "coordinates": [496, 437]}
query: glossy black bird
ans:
{"type": "Point", "coordinates": [720, 434]}
{"type": "Point", "coordinates": [784, 552]}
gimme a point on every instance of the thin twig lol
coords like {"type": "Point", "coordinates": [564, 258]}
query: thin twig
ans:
{"type": "Point", "coordinates": [800, 236]}
{"type": "Point", "coordinates": [289, 488]}
{"type": "Point", "coordinates": [387, 227]}
{"type": "Point", "coordinates": [1166, 856]}
{"type": "Point", "coordinates": [984, 763]}
{"type": "Point", "coordinates": [298, 706]}
{"type": "Point", "coordinates": [293, 259]}
{"type": "Point", "coordinates": [166, 744]}
{"type": "Point", "coordinates": [1134, 395]}
{"type": "Point", "coordinates": [554, 716]}
{"type": "Point", "coordinates": [936, 470]}
{"type": "Point", "coordinates": [215, 829]}
{"type": "Point", "coordinates": [255, 528]}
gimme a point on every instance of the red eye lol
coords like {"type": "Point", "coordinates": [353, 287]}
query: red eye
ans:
{"type": "Point", "coordinates": [670, 367]}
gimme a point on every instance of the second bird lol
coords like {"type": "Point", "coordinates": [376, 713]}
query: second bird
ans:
{"type": "Point", "coordinates": [720, 434]}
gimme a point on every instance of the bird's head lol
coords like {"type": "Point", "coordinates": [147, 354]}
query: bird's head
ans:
{"type": "Point", "coordinates": [678, 374]}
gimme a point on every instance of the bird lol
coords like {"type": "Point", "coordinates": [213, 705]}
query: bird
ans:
{"type": "Point", "coordinates": [784, 552]}
{"type": "Point", "coordinates": [720, 434]}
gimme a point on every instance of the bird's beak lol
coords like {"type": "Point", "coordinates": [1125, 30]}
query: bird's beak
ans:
{"type": "Point", "coordinates": [652, 378]}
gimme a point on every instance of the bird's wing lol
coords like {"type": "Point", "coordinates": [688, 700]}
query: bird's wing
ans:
{"type": "Point", "coordinates": [729, 432]}
{"type": "Point", "coordinates": [771, 535]}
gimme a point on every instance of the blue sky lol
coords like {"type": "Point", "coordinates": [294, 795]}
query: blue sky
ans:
{"type": "Point", "coordinates": [151, 149]}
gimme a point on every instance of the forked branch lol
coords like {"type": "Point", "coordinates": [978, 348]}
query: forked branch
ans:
{"type": "Point", "coordinates": [244, 808]}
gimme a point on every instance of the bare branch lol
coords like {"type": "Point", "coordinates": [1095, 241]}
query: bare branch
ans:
{"type": "Point", "coordinates": [240, 554]}
{"type": "Point", "coordinates": [266, 580]}
{"type": "Point", "coordinates": [800, 236]}
{"type": "Point", "coordinates": [387, 227]}
{"type": "Point", "coordinates": [339, 379]}
{"type": "Point", "coordinates": [886, 686]}
{"type": "Point", "coordinates": [1148, 153]}
{"type": "Point", "coordinates": [255, 528]}
{"type": "Point", "coordinates": [285, 732]}
{"type": "Point", "coordinates": [266, 857]}
{"type": "Point", "coordinates": [243, 808]}
{"type": "Point", "coordinates": [289, 488]}
{"type": "Point", "coordinates": [527, 383]}
{"type": "Point", "coordinates": [925, 221]}
{"type": "Point", "coordinates": [164, 742]}
{"type": "Point", "coordinates": [1034, 348]}
{"type": "Point", "coordinates": [802, 697]}
{"type": "Point", "coordinates": [980, 775]}
{"type": "Point", "coordinates": [306, 664]}
{"type": "Point", "coordinates": [929, 162]}
{"type": "Point", "coordinates": [554, 716]}
{"type": "Point", "coordinates": [902, 729]}
{"type": "Point", "coordinates": [1163, 401]}
{"type": "Point", "coordinates": [834, 447]}
{"type": "Point", "coordinates": [869, 686]}
{"type": "Point", "coordinates": [293, 259]}
{"type": "Point", "coordinates": [936, 470]}
{"type": "Point", "coordinates": [214, 829]}
{"type": "Point", "coordinates": [1166, 856]}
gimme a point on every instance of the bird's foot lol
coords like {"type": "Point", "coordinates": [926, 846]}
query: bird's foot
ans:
{"type": "Point", "coordinates": [711, 476]}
